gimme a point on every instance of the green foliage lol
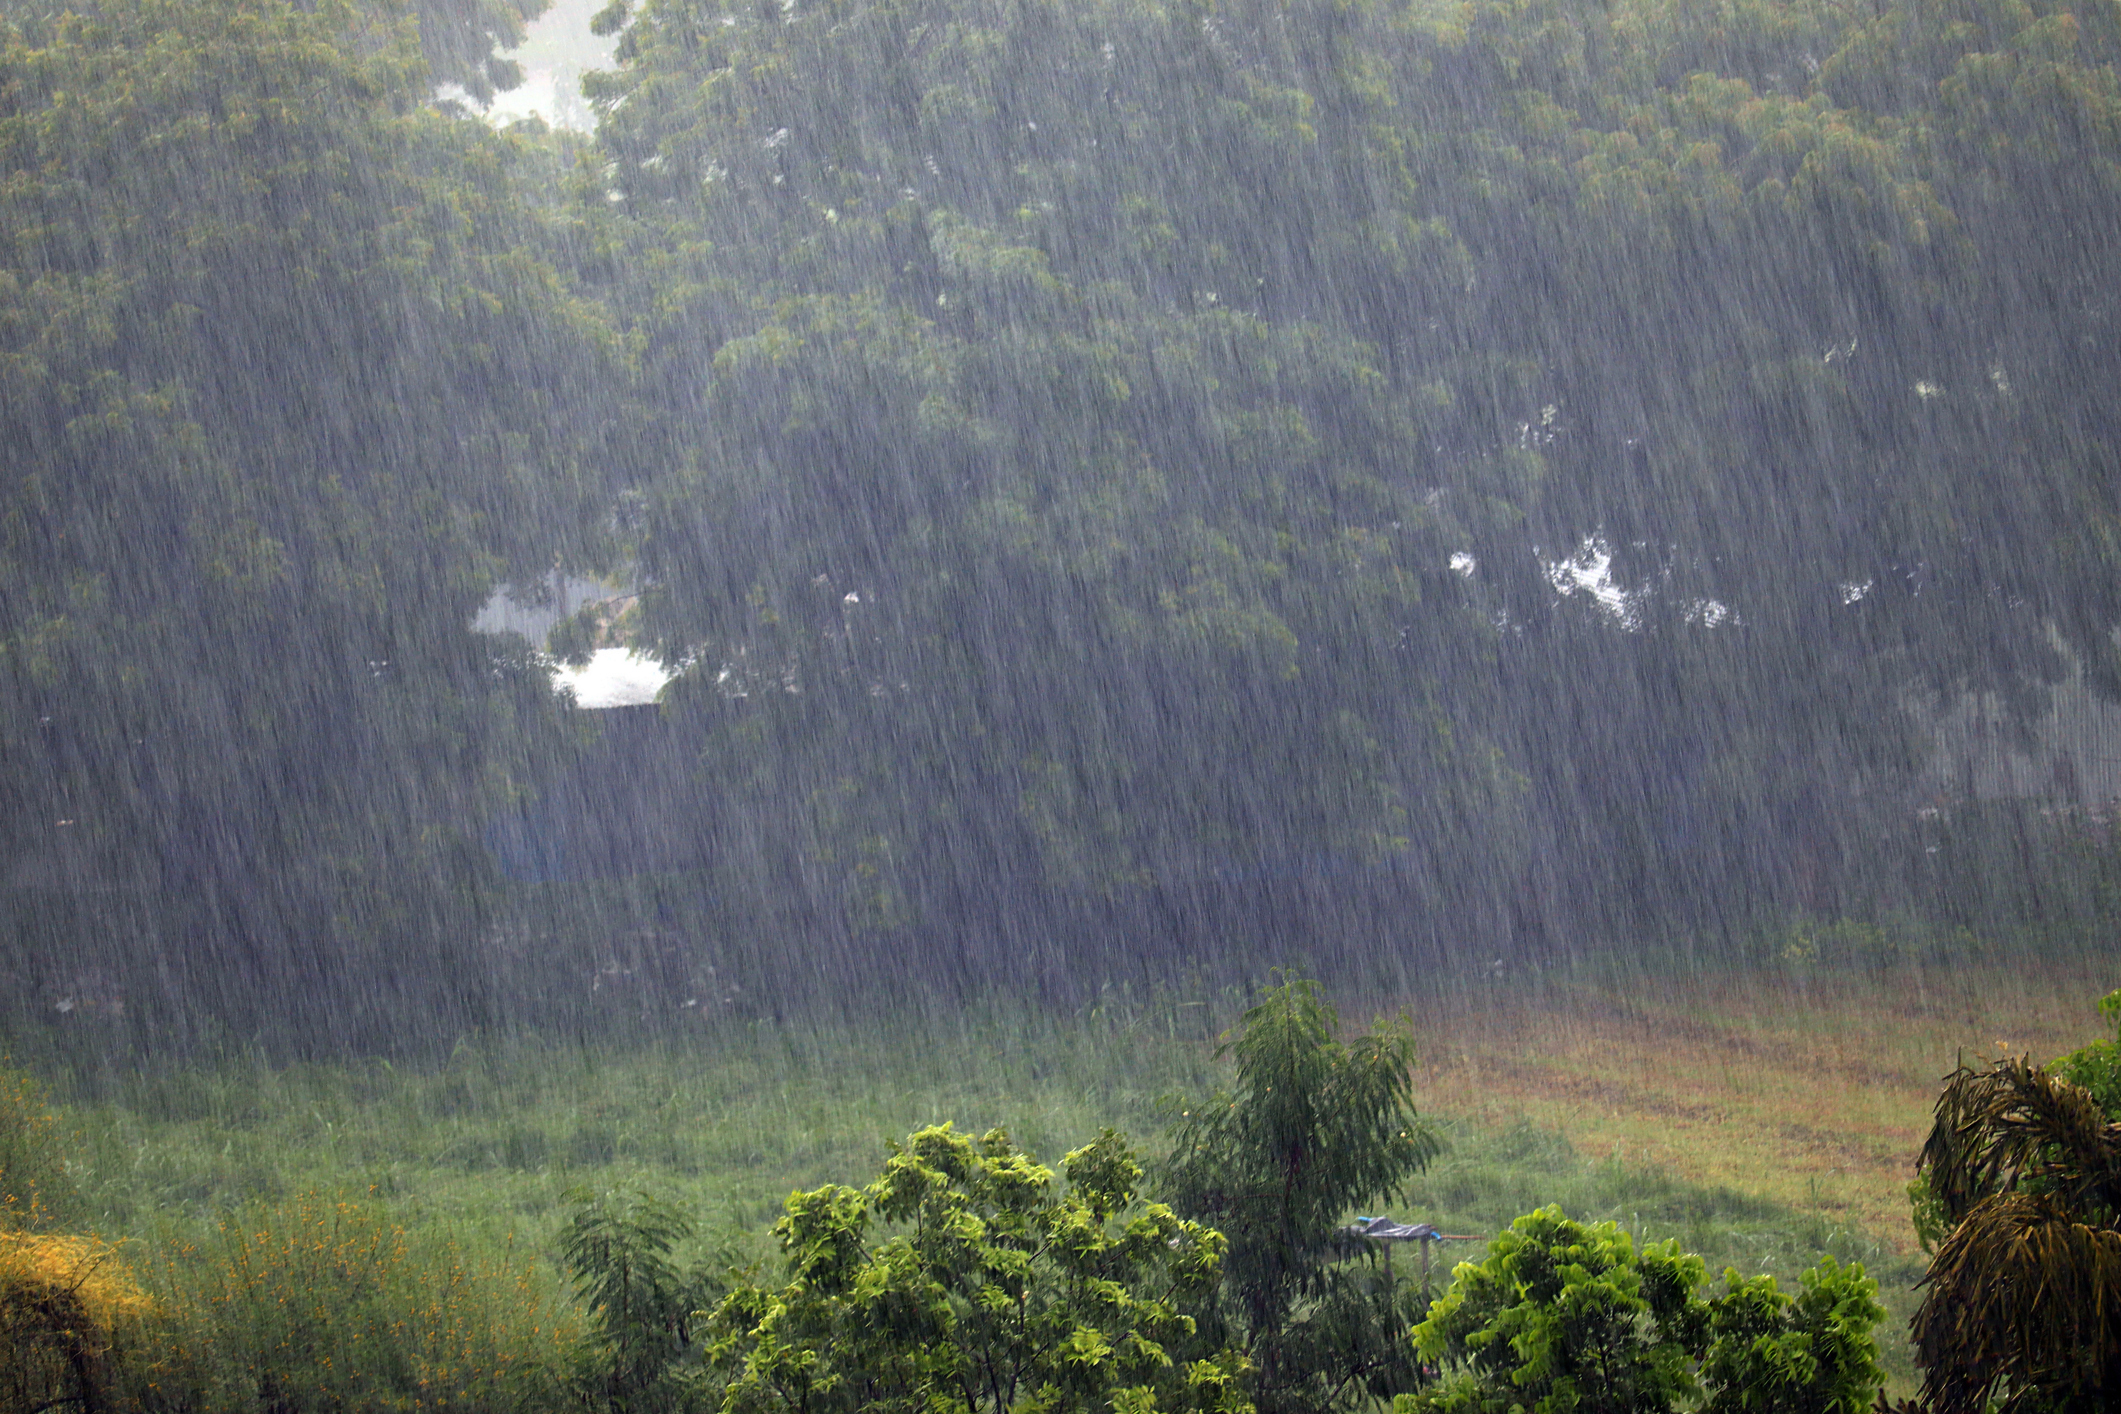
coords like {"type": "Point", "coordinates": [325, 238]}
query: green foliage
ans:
{"type": "Point", "coordinates": [2097, 1067]}
{"type": "Point", "coordinates": [288, 382]}
{"type": "Point", "coordinates": [1013, 369]}
{"type": "Point", "coordinates": [461, 40]}
{"type": "Point", "coordinates": [1131, 453]}
{"type": "Point", "coordinates": [1083, 456]}
{"type": "Point", "coordinates": [1563, 1315]}
{"type": "Point", "coordinates": [36, 1191]}
{"type": "Point", "coordinates": [996, 1293]}
{"type": "Point", "coordinates": [1121, 356]}
{"type": "Point", "coordinates": [480, 1153]}
{"type": "Point", "coordinates": [618, 1248]}
{"type": "Point", "coordinates": [1769, 1353]}
{"type": "Point", "coordinates": [1927, 1213]}
{"type": "Point", "coordinates": [1314, 1129]}
{"type": "Point", "coordinates": [1898, 939]}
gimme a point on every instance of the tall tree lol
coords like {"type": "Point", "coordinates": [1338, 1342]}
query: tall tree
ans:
{"type": "Point", "coordinates": [463, 40]}
{"type": "Point", "coordinates": [1313, 1129]}
{"type": "Point", "coordinates": [1105, 562]}
{"type": "Point", "coordinates": [288, 387]}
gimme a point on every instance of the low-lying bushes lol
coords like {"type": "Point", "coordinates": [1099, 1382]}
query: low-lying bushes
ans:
{"type": "Point", "coordinates": [1567, 1315]}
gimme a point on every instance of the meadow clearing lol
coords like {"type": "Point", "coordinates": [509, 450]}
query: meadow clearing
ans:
{"type": "Point", "coordinates": [1811, 1089]}
{"type": "Point", "coordinates": [1763, 1118]}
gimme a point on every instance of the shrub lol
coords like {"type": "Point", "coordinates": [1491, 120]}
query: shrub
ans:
{"type": "Point", "coordinates": [1566, 1316]}
{"type": "Point", "coordinates": [1769, 1353]}
{"type": "Point", "coordinates": [1314, 1130]}
{"type": "Point", "coordinates": [617, 1246]}
{"type": "Point", "coordinates": [2097, 1067]}
{"type": "Point", "coordinates": [997, 1294]}
{"type": "Point", "coordinates": [64, 1303]}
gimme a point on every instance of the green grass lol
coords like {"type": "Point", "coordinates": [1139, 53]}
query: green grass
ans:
{"type": "Point", "coordinates": [471, 1161]}
{"type": "Point", "coordinates": [731, 1124]}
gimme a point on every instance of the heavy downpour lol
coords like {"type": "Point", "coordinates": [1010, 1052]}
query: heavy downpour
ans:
{"type": "Point", "coordinates": [1248, 706]}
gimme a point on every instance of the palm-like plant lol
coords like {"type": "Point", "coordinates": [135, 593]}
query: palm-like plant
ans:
{"type": "Point", "coordinates": [2024, 1299]}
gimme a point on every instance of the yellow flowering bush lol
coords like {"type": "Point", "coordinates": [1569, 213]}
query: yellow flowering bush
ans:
{"type": "Point", "coordinates": [64, 1303]}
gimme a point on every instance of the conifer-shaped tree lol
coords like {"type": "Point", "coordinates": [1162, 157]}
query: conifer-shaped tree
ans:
{"type": "Point", "coordinates": [1313, 1129]}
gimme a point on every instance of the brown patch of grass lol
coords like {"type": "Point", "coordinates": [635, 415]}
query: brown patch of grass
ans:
{"type": "Point", "coordinates": [1812, 1090]}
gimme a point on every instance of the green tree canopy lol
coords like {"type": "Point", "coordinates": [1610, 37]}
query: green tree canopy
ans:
{"type": "Point", "coordinates": [462, 40]}
{"type": "Point", "coordinates": [1154, 442]}
{"type": "Point", "coordinates": [1562, 1315]}
{"type": "Point", "coordinates": [997, 1292]}
{"type": "Point", "coordinates": [289, 384]}
{"type": "Point", "coordinates": [1398, 476]}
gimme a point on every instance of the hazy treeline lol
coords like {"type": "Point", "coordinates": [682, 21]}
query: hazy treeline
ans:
{"type": "Point", "coordinates": [1107, 474]}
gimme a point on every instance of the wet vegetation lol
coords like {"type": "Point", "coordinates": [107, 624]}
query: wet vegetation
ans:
{"type": "Point", "coordinates": [1121, 489]}
{"type": "Point", "coordinates": [1590, 529]}
{"type": "Point", "coordinates": [369, 1233]}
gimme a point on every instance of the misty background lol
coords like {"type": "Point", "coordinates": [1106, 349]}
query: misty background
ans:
{"type": "Point", "coordinates": [837, 505]}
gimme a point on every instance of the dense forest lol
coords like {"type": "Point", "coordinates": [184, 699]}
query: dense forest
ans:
{"type": "Point", "coordinates": [1119, 486]}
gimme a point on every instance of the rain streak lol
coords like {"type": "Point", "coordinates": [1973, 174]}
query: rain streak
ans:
{"type": "Point", "coordinates": [1246, 706]}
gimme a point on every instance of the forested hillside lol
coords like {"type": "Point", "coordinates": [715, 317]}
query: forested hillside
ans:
{"type": "Point", "coordinates": [290, 379]}
{"type": "Point", "coordinates": [1402, 484]}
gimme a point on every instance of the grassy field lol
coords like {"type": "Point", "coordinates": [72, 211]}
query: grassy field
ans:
{"type": "Point", "coordinates": [1763, 1119]}
{"type": "Point", "coordinates": [1812, 1090]}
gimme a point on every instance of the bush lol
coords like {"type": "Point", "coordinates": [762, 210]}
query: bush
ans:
{"type": "Point", "coordinates": [997, 1294]}
{"type": "Point", "coordinates": [617, 1246]}
{"type": "Point", "coordinates": [1568, 1316]}
{"type": "Point", "coordinates": [1814, 1354]}
{"type": "Point", "coordinates": [65, 1302]}
{"type": "Point", "coordinates": [2097, 1067]}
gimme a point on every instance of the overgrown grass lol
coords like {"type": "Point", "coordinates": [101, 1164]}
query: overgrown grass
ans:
{"type": "Point", "coordinates": [330, 1303]}
{"type": "Point", "coordinates": [361, 1235]}
{"type": "Point", "coordinates": [1806, 1085]}
{"type": "Point", "coordinates": [493, 1137]}
{"type": "Point", "coordinates": [365, 1236]}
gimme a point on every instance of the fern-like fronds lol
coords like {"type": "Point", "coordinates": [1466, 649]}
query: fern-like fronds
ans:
{"type": "Point", "coordinates": [2024, 1298]}
{"type": "Point", "coordinates": [1999, 1129]}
